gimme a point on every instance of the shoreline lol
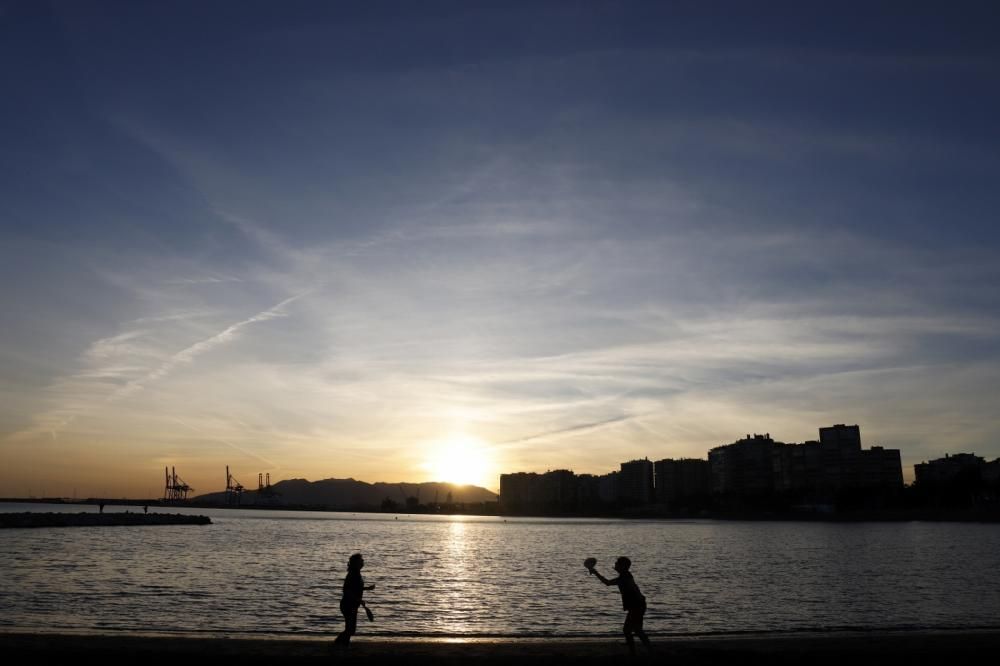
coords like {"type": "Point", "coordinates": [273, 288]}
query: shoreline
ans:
{"type": "Point", "coordinates": [790, 647]}
{"type": "Point", "coordinates": [755, 634]}
{"type": "Point", "coordinates": [897, 515]}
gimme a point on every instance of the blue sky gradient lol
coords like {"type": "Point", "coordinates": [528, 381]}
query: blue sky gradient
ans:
{"type": "Point", "coordinates": [327, 239]}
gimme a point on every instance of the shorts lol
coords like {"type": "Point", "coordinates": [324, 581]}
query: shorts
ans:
{"type": "Point", "coordinates": [633, 619]}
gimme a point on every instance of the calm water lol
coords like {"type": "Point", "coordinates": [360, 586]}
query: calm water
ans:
{"type": "Point", "coordinates": [281, 572]}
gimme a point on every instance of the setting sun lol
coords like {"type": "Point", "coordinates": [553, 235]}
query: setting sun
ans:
{"type": "Point", "coordinates": [462, 459]}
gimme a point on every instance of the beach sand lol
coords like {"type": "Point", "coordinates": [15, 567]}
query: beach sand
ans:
{"type": "Point", "coordinates": [810, 649]}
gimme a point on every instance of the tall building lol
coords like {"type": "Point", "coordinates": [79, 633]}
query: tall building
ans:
{"type": "Point", "coordinates": [797, 467]}
{"type": "Point", "coordinates": [841, 436]}
{"type": "Point", "coordinates": [745, 467]}
{"type": "Point", "coordinates": [588, 491]}
{"type": "Point", "coordinates": [881, 468]}
{"type": "Point", "coordinates": [554, 491]}
{"type": "Point", "coordinates": [635, 482]}
{"type": "Point", "coordinates": [677, 480]}
{"type": "Point", "coordinates": [840, 451]}
{"type": "Point", "coordinates": [607, 488]}
{"type": "Point", "coordinates": [846, 466]}
{"type": "Point", "coordinates": [519, 492]}
{"type": "Point", "coordinates": [559, 490]}
{"type": "Point", "coordinates": [948, 469]}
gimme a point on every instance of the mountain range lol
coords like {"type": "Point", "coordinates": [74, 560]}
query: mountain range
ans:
{"type": "Point", "coordinates": [353, 493]}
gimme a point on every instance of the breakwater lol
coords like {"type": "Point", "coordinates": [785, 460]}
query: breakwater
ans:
{"type": "Point", "coordinates": [32, 519]}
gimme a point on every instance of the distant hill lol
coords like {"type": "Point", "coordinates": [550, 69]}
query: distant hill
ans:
{"type": "Point", "coordinates": [353, 493]}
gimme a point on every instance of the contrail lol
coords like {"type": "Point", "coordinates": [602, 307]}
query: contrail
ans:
{"type": "Point", "coordinates": [582, 427]}
{"type": "Point", "coordinates": [190, 427]}
{"type": "Point", "coordinates": [187, 355]}
{"type": "Point", "coordinates": [184, 356]}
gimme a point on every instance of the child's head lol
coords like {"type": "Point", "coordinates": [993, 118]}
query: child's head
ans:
{"type": "Point", "coordinates": [355, 562]}
{"type": "Point", "coordinates": [623, 564]}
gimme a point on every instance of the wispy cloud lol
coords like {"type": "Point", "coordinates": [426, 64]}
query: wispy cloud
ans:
{"type": "Point", "coordinates": [562, 433]}
{"type": "Point", "coordinates": [193, 314]}
{"type": "Point", "coordinates": [205, 280]}
{"type": "Point", "coordinates": [270, 466]}
{"type": "Point", "coordinates": [79, 394]}
{"type": "Point", "coordinates": [188, 354]}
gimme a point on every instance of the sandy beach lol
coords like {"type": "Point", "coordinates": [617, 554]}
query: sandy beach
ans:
{"type": "Point", "coordinates": [788, 648]}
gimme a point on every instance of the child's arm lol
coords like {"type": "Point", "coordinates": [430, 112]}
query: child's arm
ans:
{"type": "Point", "coordinates": [595, 572]}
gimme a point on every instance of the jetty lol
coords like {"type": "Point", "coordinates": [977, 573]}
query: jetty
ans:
{"type": "Point", "coordinates": [127, 519]}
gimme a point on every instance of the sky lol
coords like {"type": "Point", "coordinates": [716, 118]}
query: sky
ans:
{"type": "Point", "coordinates": [402, 241]}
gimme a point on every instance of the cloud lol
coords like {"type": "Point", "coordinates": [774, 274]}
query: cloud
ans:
{"type": "Point", "coordinates": [563, 432]}
{"type": "Point", "coordinates": [236, 447]}
{"type": "Point", "coordinates": [188, 354]}
{"type": "Point", "coordinates": [79, 394]}
{"type": "Point", "coordinates": [206, 280]}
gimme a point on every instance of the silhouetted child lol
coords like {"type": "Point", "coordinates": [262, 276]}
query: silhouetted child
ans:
{"type": "Point", "coordinates": [354, 590]}
{"type": "Point", "coordinates": [632, 600]}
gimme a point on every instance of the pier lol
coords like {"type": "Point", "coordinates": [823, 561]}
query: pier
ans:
{"type": "Point", "coordinates": [33, 519]}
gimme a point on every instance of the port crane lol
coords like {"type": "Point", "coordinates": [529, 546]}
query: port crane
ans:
{"type": "Point", "coordinates": [234, 489]}
{"type": "Point", "coordinates": [264, 489]}
{"type": "Point", "coordinates": [175, 490]}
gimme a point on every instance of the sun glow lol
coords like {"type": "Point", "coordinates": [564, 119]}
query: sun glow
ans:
{"type": "Point", "coordinates": [462, 459]}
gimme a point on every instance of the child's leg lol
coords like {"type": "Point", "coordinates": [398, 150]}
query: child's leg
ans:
{"type": "Point", "coordinates": [630, 641]}
{"type": "Point", "coordinates": [627, 630]}
{"type": "Point", "coordinates": [638, 616]}
{"type": "Point", "coordinates": [350, 626]}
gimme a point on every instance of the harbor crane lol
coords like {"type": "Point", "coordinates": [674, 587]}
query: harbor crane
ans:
{"type": "Point", "coordinates": [264, 489]}
{"type": "Point", "coordinates": [234, 489]}
{"type": "Point", "coordinates": [175, 490]}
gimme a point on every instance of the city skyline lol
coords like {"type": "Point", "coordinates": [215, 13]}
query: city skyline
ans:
{"type": "Point", "coordinates": [909, 473]}
{"type": "Point", "coordinates": [435, 242]}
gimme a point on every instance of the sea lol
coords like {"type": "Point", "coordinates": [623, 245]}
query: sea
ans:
{"type": "Point", "coordinates": [254, 572]}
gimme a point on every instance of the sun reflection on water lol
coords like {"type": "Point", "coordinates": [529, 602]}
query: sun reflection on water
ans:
{"type": "Point", "coordinates": [459, 577]}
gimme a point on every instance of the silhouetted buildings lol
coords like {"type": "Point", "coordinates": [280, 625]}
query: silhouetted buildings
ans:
{"type": "Point", "coordinates": [991, 472]}
{"type": "Point", "coordinates": [797, 467]}
{"type": "Point", "coordinates": [588, 492]}
{"type": "Point", "coordinates": [518, 491]}
{"type": "Point", "coordinates": [743, 468]}
{"type": "Point", "coordinates": [556, 491]}
{"type": "Point", "coordinates": [957, 481]}
{"type": "Point", "coordinates": [607, 488]}
{"type": "Point", "coordinates": [948, 469]}
{"type": "Point", "coordinates": [680, 481]}
{"type": "Point", "coordinates": [834, 469]}
{"type": "Point", "coordinates": [881, 468]}
{"type": "Point", "coordinates": [635, 482]}
{"type": "Point", "coordinates": [528, 492]}
{"type": "Point", "coordinates": [754, 472]}
{"type": "Point", "coordinates": [840, 455]}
